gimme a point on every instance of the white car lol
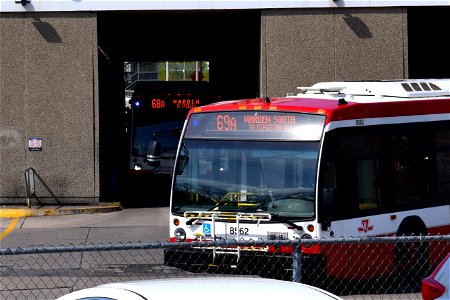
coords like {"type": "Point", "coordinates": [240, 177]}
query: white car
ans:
{"type": "Point", "coordinates": [437, 285]}
{"type": "Point", "coordinates": [202, 288]}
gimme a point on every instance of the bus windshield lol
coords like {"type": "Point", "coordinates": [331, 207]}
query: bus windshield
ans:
{"type": "Point", "coordinates": [246, 176]}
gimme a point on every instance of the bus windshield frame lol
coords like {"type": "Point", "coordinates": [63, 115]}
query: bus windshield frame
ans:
{"type": "Point", "coordinates": [256, 125]}
{"type": "Point", "coordinates": [246, 175]}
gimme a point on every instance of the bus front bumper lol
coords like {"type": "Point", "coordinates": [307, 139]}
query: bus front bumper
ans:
{"type": "Point", "coordinates": [259, 263]}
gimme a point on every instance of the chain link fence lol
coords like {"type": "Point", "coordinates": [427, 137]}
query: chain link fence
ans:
{"type": "Point", "coordinates": [374, 268]}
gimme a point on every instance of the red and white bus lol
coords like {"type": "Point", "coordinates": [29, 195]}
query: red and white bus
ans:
{"type": "Point", "coordinates": [339, 159]}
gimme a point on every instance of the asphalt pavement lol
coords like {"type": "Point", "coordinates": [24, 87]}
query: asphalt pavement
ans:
{"type": "Point", "coordinates": [63, 225]}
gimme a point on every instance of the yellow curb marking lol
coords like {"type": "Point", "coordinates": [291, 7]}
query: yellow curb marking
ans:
{"type": "Point", "coordinates": [15, 213]}
{"type": "Point", "coordinates": [8, 229]}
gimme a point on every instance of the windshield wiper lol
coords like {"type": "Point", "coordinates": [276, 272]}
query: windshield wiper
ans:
{"type": "Point", "coordinates": [277, 217]}
{"type": "Point", "coordinates": [190, 221]}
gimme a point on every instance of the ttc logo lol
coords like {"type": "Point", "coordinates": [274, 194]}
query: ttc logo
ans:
{"type": "Point", "coordinates": [365, 227]}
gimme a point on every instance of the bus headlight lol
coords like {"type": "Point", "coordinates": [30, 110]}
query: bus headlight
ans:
{"type": "Point", "coordinates": [137, 167]}
{"type": "Point", "coordinates": [180, 234]}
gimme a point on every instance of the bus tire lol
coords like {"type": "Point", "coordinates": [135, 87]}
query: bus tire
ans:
{"type": "Point", "coordinates": [411, 258]}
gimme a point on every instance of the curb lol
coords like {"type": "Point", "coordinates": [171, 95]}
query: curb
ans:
{"type": "Point", "coordinates": [15, 213]}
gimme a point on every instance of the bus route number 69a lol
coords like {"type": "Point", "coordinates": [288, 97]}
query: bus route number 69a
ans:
{"type": "Point", "coordinates": [226, 123]}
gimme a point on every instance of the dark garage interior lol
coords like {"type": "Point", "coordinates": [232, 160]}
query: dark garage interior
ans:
{"type": "Point", "coordinates": [427, 30]}
{"type": "Point", "coordinates": [229, 40]}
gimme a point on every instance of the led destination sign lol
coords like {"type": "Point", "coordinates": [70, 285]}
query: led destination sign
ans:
{"type": "Point", "coordinates": [255, 125]}
{"type": "Point", "coordinates": [186, 103]}
{"type": "Point", "coordinates": [175, 103]}
{"type": "Point", "coordinates": [256, 122]}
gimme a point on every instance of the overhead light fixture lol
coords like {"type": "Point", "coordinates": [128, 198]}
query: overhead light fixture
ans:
{"type": "Point", "coordinates": [23, 2]}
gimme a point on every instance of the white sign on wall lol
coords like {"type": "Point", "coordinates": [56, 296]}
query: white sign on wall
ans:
{"type": "Point", "coordinates": [35, 144]}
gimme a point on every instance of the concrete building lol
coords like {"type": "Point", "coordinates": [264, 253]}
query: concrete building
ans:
{"type": "Point", "coordinates": [62, 87]}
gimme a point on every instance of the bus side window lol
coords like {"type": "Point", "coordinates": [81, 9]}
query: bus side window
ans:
{"type": "Point", "coordinates": [442, 139]}
{"type": "Point", "coordinates": [443, 176]}
{"type": "Point", "coordinates": [329, 177]}
{"type": "Point", "coordinates": [359, 171]}
{"type": "Point", "coordinates": [329, 193]}
{"type": "Point", "coordinates": [411, 168]}
{"type": "Point", "coordinates": [329, 209]}
{"type": "Point", "coordinates": [367, 171]}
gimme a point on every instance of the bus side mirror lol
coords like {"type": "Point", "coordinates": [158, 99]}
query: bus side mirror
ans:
{"type": "Point", "coordinates": [154, 153]}
{"type": "Point", "coordinates": [328, 200]}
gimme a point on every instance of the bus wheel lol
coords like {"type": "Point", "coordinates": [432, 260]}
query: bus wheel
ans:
{"type": "Point", "coordinates": [411, 258]}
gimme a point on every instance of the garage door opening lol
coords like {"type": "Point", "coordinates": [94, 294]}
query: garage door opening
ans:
{"type": "Point", "coordinates": [172, 47]}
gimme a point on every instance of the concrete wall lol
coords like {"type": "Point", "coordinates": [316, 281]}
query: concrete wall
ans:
{"type": "Point", "coordinates": [300, 47]}
{"type": "Point", "coordinates": [49, 83]}
{"type": "Point", "coordinates": [48, 90]}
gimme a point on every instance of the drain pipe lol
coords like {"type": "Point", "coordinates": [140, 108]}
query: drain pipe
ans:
{"type": "Point", "coordinates": [30, 185]}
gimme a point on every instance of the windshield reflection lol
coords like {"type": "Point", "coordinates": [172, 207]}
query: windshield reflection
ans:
{"type": "Point", "coordinates": [238, 176]}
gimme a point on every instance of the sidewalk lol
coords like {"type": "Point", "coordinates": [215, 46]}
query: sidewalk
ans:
{"type": "Point", "coordinates": [16, 211]}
